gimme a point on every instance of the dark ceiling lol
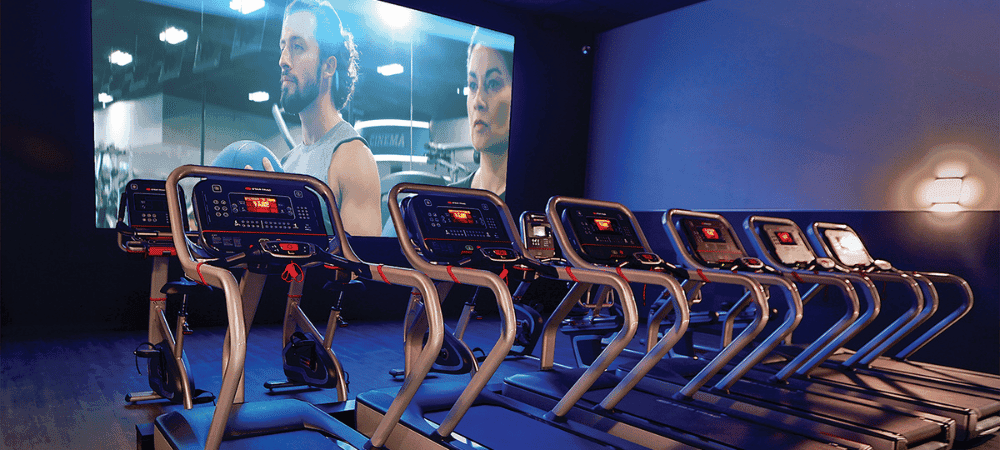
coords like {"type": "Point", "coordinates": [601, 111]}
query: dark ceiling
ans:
{"type": "Point", "coordinates": [227, 55]}
{"type": "Point", "coordinates": [596, 15]}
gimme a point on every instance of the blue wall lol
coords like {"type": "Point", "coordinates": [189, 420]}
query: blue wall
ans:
{"type": "Point", "coordinates": [833, 111]}
{"type": "Point", "coordinates": [793, 105]}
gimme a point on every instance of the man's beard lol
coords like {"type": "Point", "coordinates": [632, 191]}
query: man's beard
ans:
{"type": "Point", "coordinates": [295, 102]}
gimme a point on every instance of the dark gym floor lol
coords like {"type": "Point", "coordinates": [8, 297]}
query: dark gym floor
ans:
{"type": "Point", "coordinates": [68, 391]}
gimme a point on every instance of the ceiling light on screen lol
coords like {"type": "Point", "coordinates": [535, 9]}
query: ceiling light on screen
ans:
{"type": "Point", "coordinates": [259, 96]}
{"type": "Point", "coordinates": [104, 98]}
{"type": "Point", "coordinates": [393, 16]}
{"type": "Point", "coordinates": [246, 6]}
{"type": "Point", "coordinates": [173, 36]}
{"type": "Point", "coordinates": [120, 58]}
{"type": "Point", "coordinates": [389, 70]}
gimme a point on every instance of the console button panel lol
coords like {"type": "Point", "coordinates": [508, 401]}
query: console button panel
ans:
{"type": "Point", "coordinates": [236, 214]}
{"type": "Point", "coordinates": [448, 228]}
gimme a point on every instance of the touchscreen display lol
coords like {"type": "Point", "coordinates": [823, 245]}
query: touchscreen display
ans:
{"type": "Point", "coordinates": [261, 205]}
{"type": "Point", "coordinates": [848, 248]}
{"type": "Point", "coordinates": [604, 225]}
{"type": "Point", "coordinates": [150, 202]}
{"type": "Point", "coordinates": [462, 216]}
{"type": "Point", "coordinates": [785, 237]}
{"type": "Point", "coordinates": [711, 234]}
{"type": "Point", "coordinates": [787, 244]}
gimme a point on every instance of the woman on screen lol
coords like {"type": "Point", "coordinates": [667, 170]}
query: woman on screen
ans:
{"type": "Point", "coordinates": [488, 105]}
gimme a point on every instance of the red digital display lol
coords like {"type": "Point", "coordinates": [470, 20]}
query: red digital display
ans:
{"type": "Point", "coordinates": [711, 234]}
{"type": "Point", "coordinates": [603, 224]}
{"type": "Point", "coordinates": [785, 237]}
{"type": "Point", "coordinates": [461, 216]}
{"type": "Point", "coordinates": [289, 247]}
{"type": "Point", "coordinates": [261, 205]}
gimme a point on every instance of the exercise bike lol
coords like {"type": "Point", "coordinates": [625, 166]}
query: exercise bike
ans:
{"type": "Point", "coordinates": [306, 360]}
{"type": "Point", "coordinates": [143, 229]}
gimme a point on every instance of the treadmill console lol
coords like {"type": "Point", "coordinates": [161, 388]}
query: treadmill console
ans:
{"type": "Point", "coordinates": [536, 233]}
{"type": "Point", "coordinates": [847, 247]}
{"type": "Point", "coordinates": [602, 235]}
{"type": "Point", "coordinates": [147, 205]}
{"type": "Point", "coordinates": [712, 242]}
{"type": "Point", "coordinates": [235, 214]}
{"type": "Point", "coordinates": [787, 244]}
{"type": "Point", "coordinates": [449, 228]}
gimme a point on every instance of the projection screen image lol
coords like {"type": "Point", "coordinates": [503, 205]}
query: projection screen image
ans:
{"type": "Point", "coordinates": [360, 94]}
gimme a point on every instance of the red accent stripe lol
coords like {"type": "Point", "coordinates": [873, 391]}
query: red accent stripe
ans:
{"type": "Point", "coordinates": [386, 280]}
{"type": "Point", "coordinates": [198, 268]}
{"type": "Point", "coordinates": [294, 295]}
{"type": "Point", "coordinates": [503, 274]}
{"type": "Point", "coordinates": [157, 299]}
{"type": "Point", "coordinates": [703, 277]}
{"type": "Point", "coordinates": [570, 273]}
{"type": "Point", "coordinates": [797, 277]}
{"type": "Point", "coordinates": [453, 276]}
{"type": "Point", "coordinates": [619, 269]}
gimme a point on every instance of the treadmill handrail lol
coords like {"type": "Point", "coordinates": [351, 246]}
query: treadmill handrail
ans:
{"type": "Point", "coordinates": [873, 308]}
{"type": "Point", "coordinates": [964, 307]}
{"type": "Point", "coordinates": [931, 302]}
{"type": "Point", "coordinates": [505, 304]}
{"type": "Point", "coordinates": [852, 311]}
{"type": "Point", "coordinates": [235, 354]}
{"type": "Point", "coordinates": [815, 234]}
{"type": "Point", "coordinates": [793, 315]}
{"type": "Point", "coordinates": [669, 283]}
{"type": "Point", "coordinates": [706, 274]}
{"type": "Point", "coordinates": [947, 321]}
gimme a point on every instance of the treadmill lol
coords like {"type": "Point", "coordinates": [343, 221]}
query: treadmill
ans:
{"type": "Point", "coordinates": [263, 223]}
{"type": "Point", "coordinates": [606, 236]}
{"type": "Point", "coordinates": [468, 236]}
{"type": "Point", "coordinates": [711, 244]}
{"type": "Point", "coordinates": [842, 243]}
{"type": "Point", "coordinates": [782, 244]}
{"type": "Point", "coordinates": [832, 238]}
